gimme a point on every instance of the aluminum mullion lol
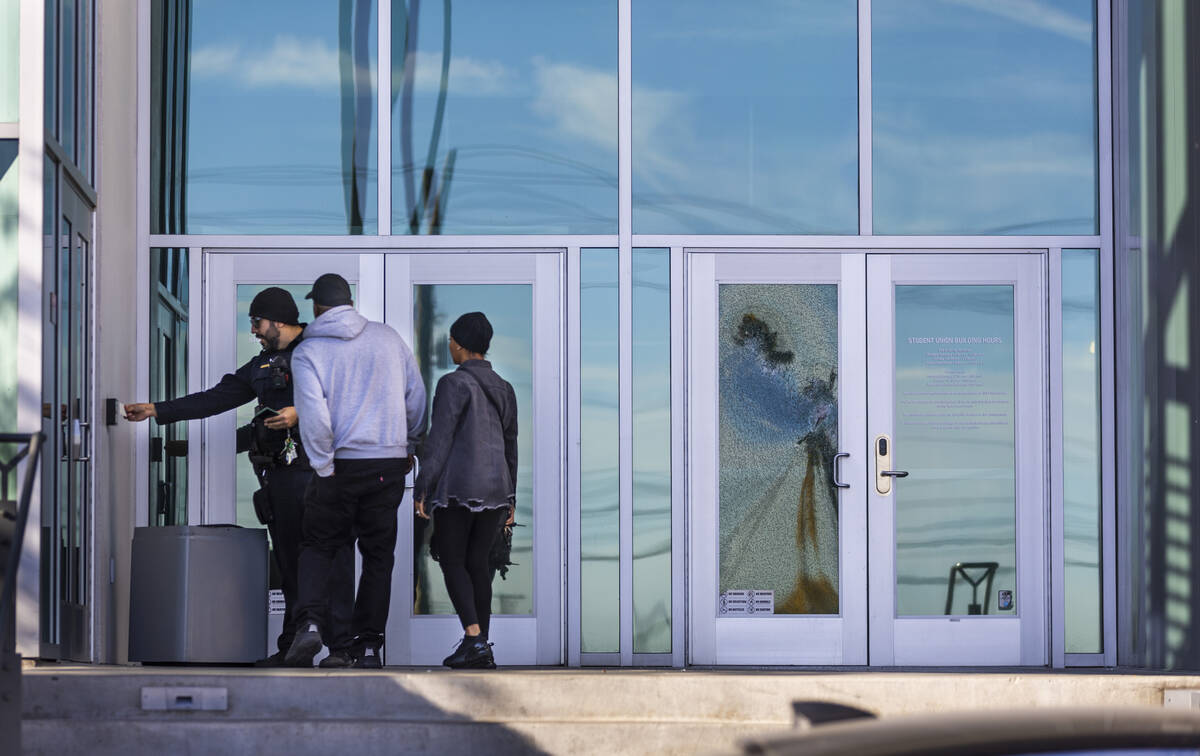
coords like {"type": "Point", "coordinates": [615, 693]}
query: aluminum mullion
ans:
{"type": "Point", "coordinates": [142, 276]}
{"type": "Point", "coordinates": [573, 586]}
{"type": "Point", "coordinates": [625, 318]}
{"type": "Point", "coordinates": [1108, 461]}
{"type": "Point", "coordinates": [403, 242]}
{"type": "Point", "coordinates": [383, 120]}
{"type": "Point", "coordinates": [896, 244]}
{"type": "Point", "coordinates": [678, 464]}
{"type": "Point", "coordinates": [866, 194]}
{"type": "Point", "coordinates": [195, 382]}
{"type": "Point", "coordinates": [1058, 612]}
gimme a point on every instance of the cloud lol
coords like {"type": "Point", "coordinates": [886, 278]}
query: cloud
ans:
{"type": "Point", "coordinates": [582, 103]}
{"type": "Point", "coordinates": [468, 76]}
{"type": "Point", "coordinates": [1036, 14]}
{"type": "Point", "coordinates": [289, 62]}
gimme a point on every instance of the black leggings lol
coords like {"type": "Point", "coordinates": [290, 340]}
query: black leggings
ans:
{"type": "Point", "coordinates": [464, 540]}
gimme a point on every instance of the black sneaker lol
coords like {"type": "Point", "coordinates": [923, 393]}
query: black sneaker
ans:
{"type": "Point", "coordinates": [368, 657]}
{"type": "Point", "coordinates": [340, 659]}
{"type": "Point", "coordinates": [274, 660]}
{"type": "Point", "coordinates": [473, 652]}
{"type": "Point", "coordinates": [305, 646]}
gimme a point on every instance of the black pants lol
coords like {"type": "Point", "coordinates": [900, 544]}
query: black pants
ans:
{"type": "Point", "coordinates": [286, 488]}
{"type": "Point", "coordinates": [464, 540]}
{"type": "Point", "coordinates": [359, 500]}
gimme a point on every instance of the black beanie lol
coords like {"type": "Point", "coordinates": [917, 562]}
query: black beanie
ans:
{"type": "Point", "coordinates": [274, 303]}
{"type": "Point", "coordinates": [473, 332]}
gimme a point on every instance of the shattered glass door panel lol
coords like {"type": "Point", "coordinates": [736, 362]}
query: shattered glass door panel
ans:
{"type": "Point", "coordinates": [778, 516]}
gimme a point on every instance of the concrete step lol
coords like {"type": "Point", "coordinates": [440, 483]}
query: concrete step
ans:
{"type": "Point", "coordinates": [99, 710]}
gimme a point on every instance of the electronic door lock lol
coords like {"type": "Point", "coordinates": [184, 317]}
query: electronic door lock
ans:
{"type": "Point", "coordinates": [883, 461]}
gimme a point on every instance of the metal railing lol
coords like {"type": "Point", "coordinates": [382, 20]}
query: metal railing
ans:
{"type": "Point", "coordinates": [13, 515]}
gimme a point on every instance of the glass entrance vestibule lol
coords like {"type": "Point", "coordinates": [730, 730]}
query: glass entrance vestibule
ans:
{"type": "Point", "coordinates": [783, 457]}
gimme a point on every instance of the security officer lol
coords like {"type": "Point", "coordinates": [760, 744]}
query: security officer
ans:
{"type": "Point", "coordinates": [277, 454]}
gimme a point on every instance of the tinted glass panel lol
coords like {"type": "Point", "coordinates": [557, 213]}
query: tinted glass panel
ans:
{"type": "Point", "coordinates": [984, 117]}
{"type": "Point", "coordinates": [8, 298]}
{"type": "Point", "coordinates": [263, 117]}
{"type": "Point", "coordinates": [599, 453]}
{"type": "Point", "coordinates": [10, 29]}
{"type": "Point", "coordinates": [51, 62]}
{"type": "Point", "coordinates": [778, 519]}
{"type": "Point", "coordinates": [504, 117]}
{"type": "Point", "coordinates": [1081, 449]}
{"type": "Point", "coordinates": [509, 307]}
{"type": "Point", "coordinates": [651, 451]}
{"type": "Point", "coordinates": [745, 117]}
{"type": "Point", "coordinates": [68, 65]}
{"type": "Point", "coordinates": [956, 511]}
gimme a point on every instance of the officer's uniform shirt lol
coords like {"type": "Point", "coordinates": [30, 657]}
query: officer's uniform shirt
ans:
{"type": "Point", "coordinates": [254, 380]}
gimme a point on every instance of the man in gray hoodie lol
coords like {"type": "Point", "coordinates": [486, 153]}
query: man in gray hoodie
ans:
{"type": "Point", "coordinates": [361, 403]}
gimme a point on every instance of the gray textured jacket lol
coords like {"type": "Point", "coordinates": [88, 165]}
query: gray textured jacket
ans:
{"type": "Point", "coordinates": [358, 392]}
{"type": "Point", "coordinates": [470, 454]}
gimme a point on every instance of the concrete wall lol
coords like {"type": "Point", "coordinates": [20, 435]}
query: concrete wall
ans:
{"type": "Point", "coordinates": [116, 357]}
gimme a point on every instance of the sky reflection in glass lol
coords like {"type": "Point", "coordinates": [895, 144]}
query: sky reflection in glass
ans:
{"type": "Point", "coordinates": [954, 435]}
{"type": "Point", "coordinates": [745, 117]}
{"type": "Point", "coordinates": [651, 451]}
{"type": "Point", "coordinates": [504, 117]}
{"type": "Point", "coordinates": [280, 133]}
{"type": "Point", "coordinates": [599, 453]}
{"type": "Point", "coordinates": [1081, 449]}
{"type": "Point", "coordinates": [984, 117]}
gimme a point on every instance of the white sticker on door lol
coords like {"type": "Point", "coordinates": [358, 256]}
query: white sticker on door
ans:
{"type": "Point", "coordinates": [746, 603]}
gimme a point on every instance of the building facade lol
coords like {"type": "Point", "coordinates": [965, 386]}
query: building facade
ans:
{"type": "Point", "coordinates": [843, 332]}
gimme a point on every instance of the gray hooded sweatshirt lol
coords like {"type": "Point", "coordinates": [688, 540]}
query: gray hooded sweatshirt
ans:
{"type": "Point", "coordinates": [358, 392]}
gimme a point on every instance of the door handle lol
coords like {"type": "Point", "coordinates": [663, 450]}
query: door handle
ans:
{"type": "Point", "coordinates": [77, 441]}
{"type": "Point", "coordinates": [883, 464]}
{"type": "Point", "coordinates": [837, 468]}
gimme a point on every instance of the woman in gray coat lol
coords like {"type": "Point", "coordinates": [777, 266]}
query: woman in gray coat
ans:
{"type": "Point", "coordinates": [468, 480]}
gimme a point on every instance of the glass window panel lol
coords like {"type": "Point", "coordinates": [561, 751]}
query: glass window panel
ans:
{"type": "Point", "coordinates": [504, 117]}
{"type": "Point", "coordinates": [745, 117]}
{"type": "Point", "coordinates": [984, 117]}
{"type": "Point", "coordinates": [651, 451]}
{"type": "Point", "coordinates": [1081, 450]}
{"type": "Point", "coordinates": [8, 294]}
{"type": "Point", "coordinates": [954, 434]}
{"type": "Point", "coordinates": [68, 65]}
{"type": "Point", "coordinates": [50, 59]}
{"type": "Point", "coordinates": [599, 453]}
{"type": "Point", "coordinates": [509, 307]}
{"type": "Point", "coordinates": [86, 73]}
{"type": "Point", "coordinates": [778, 517]}
{"type": "Point", "coordinates": [10, 39]}
{"type": "Point", "coordinates": [263, 117]}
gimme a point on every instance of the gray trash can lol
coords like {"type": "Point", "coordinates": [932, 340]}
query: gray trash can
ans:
{"type": "Point", "coordinates": [198, 594]}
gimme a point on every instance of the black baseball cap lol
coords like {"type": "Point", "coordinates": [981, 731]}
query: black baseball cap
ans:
{"type": "Point", "coordinates": [330, 290]}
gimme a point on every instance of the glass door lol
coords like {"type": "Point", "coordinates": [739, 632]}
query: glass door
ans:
{"type": "Point", "coordinates": [776, 482]}
{"type": "Point", "coordinates": [956, 397]}
{"type": "Point", "coordinates": [66, 516]}
{"type": "Point", "coordinates": [521, 295]}
{"type": "Point", "coordinates": [420, 295]}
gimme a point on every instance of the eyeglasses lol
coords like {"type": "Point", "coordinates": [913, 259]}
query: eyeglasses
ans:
{"type": "Point", "coordinates": [255, 321]}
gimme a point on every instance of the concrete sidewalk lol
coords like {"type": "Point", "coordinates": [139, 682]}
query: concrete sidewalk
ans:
{"type": "Point", "coordinates": [99, 709]}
